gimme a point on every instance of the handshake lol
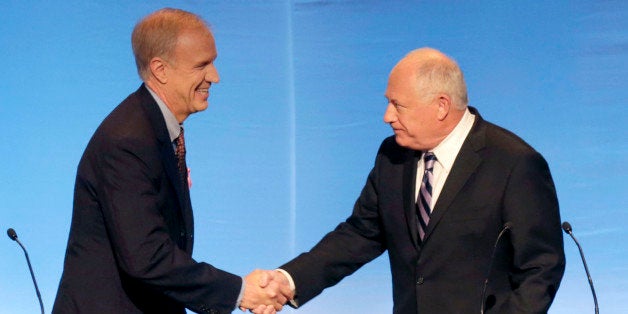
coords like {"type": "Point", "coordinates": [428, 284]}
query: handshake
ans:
{"type": "Point", "coordinates": [266, 292]}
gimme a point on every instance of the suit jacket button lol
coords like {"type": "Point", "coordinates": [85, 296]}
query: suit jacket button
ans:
{"type": "Point", "coordinates": [420, 281]}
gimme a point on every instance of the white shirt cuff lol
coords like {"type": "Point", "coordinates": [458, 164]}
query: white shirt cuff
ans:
{"type": "Point", "coordinates": [241, 294]}
{"type": "Point", "coordinates": [292, 286]}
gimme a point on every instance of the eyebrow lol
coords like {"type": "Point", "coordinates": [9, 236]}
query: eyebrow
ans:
{"type": "Point", "coordinates": [205, 62]}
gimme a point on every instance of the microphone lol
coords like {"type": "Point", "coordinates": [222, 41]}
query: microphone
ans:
{"type": "Point", "coordinates": [13, 236]}
{"type": "Point", "coordinates": [506, 227]}
{"type": "Point", "coordinates": [567, 228]}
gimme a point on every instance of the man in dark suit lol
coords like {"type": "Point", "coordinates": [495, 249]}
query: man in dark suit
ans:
{"type": "Point", "coordinates": [131, 238]}
{"type": "Point", "coordinates": [441, 191]}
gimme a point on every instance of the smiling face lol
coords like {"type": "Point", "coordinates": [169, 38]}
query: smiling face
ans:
{"type": "Point", "coordinates": [189, 73]}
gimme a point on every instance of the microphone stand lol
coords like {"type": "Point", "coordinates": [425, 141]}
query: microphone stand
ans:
{"type": "Point", "coordinates": [506, 227]}
{"type": "Point", "coordinates": [13, 236]}
{"type": "Point", "coordinates": [567, 228]}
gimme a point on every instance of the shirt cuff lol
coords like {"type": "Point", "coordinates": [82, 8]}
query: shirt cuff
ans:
{"type": "Point", "coordinates": [241, 294]}
{"type": "Point", "coordinates": [292, 286]}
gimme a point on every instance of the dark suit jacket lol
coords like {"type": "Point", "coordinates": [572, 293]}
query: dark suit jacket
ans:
{"type": "Point", "coordinates": [130, 242]}
{"type": "Point", "coordinates": [496, 178]}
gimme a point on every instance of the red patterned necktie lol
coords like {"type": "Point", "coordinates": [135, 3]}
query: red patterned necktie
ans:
{"type": "Point", "coordinates": [180, 153]}
{"type": "Point", "coordinates": [425, 194]}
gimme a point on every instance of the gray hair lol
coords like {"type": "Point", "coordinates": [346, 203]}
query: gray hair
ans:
{"type": "Point", "coordinates": [156, 35]}
{"type": "Point", "coordinates": [438, 73]}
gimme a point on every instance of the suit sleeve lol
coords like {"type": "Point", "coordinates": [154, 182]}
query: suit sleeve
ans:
{"type": "Point", "coordinates": [341, 252]}
{"type": "Point", "coordinates": [531, 205]}
{"type": "Point", "coordinates": [133, 203]}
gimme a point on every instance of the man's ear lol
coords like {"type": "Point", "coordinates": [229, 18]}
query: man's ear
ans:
{"type": "Point", "coordinates": [158, 69]}
{"type": "Point", "coordinates": [444, 106]}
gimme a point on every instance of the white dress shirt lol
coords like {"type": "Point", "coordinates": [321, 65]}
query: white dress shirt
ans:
{"type": "Point", "coordinates": [446, 153]}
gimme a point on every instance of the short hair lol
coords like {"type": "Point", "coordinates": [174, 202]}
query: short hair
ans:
{"type": "Point", "coordinates": [156, 35]}
{"type": "Point", "coordinates": [441, 74]}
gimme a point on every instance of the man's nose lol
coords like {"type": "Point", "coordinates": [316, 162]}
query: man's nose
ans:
{"type": "Point", "coordinates": [212, 74]}
{"type": "Point", "coordinates": [390, 115]}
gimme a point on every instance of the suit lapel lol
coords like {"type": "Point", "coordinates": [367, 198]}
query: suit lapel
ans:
{"type": "Point", "coordinates": [170, 163]}
{"type": "Point", "coordinates": [409, 186]}
{"type": "Point", "coordinates": [464, 166]}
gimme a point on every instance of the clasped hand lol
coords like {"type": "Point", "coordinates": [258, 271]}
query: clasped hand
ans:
{"type": "Point", "coordinates": [265, 292]}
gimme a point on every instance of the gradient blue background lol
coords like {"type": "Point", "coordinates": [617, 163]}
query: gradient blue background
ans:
{"type": "Point", "coordinates": [293, 127]}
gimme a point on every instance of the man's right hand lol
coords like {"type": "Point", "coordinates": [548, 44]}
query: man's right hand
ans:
{"type": "Point", "coordinates": [265, 291]}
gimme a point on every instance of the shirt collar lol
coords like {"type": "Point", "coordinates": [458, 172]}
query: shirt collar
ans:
{"type": "Point", "coordinates": [447, 150]}
{"type": "Point", "coordinates": [173, 126]}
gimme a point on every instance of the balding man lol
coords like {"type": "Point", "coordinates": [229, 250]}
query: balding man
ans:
{"type": "Point", "coordinates": [132, 232]}
{"type": "Point", "coordinates": [441, 191]}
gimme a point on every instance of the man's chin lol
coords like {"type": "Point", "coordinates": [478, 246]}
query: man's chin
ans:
{"type": "Point", "coordinates": [400, 141]}
{"type": "Point", "coordinates": [201, 106]}
{"type": "Point", "coordinates": [404, 142]}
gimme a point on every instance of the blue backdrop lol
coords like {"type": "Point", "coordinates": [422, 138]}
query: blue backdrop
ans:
{"type": "Point", "coordinates": [293, 127]}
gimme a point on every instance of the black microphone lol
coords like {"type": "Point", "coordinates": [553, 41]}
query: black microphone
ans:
{"type": "Point", "coordinates": [13, 236]}
{"type": "Point", "coordinates": [506, 227]}
{"type": "Point", "coordinates": [567, 228]}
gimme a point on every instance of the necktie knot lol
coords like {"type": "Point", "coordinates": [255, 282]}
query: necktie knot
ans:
{"type": "Point", "coordinates": [429, 160]}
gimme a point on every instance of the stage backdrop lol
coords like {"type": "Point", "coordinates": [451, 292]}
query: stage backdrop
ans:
{"type": "Point", "coordinates": [293, 127]}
